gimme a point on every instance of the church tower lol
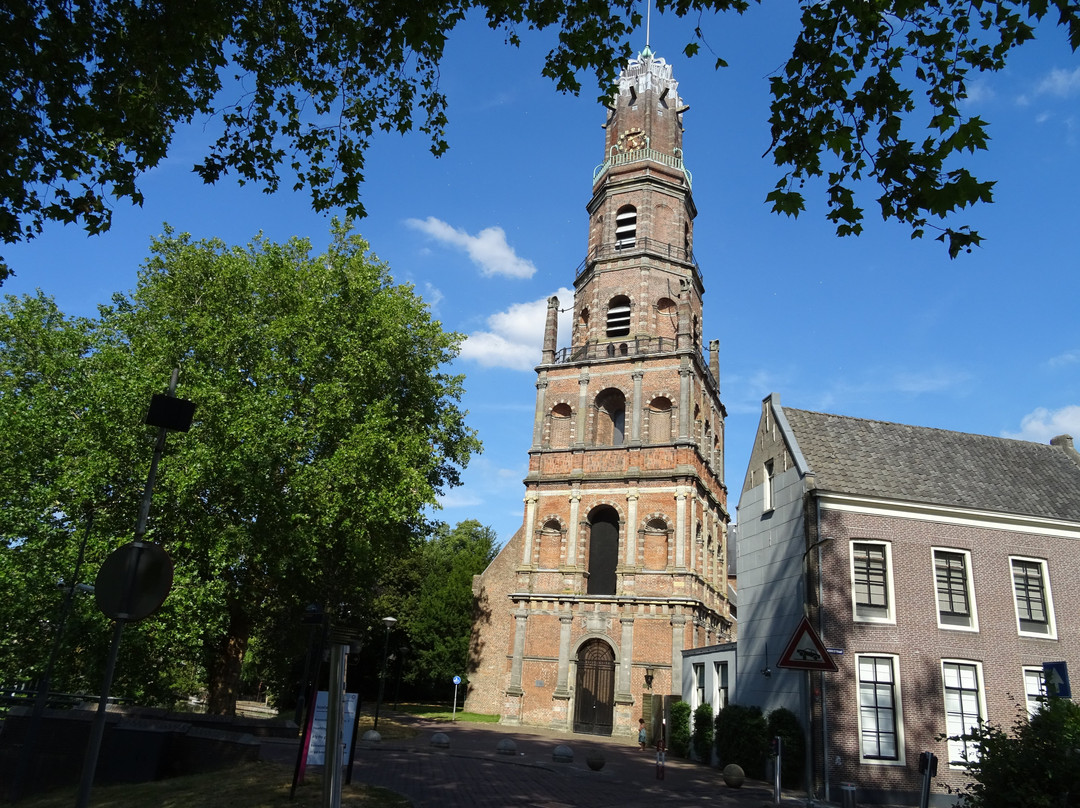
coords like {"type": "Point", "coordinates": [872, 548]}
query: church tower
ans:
{"type": "Point", "coordinates": [621, 562]}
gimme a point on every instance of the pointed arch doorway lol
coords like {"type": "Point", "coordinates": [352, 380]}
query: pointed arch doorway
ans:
{"type": "Point", "coordinates": [594, 708]}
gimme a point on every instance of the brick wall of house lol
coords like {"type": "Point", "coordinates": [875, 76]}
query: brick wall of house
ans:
{"type": "Point", "coordinates": [920, 644]}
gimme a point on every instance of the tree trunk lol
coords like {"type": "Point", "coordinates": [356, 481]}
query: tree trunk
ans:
{"type": "Point", "coordinates": [223, 670]}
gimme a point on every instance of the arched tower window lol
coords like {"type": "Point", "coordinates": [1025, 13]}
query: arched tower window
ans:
{"type": "Point", "coordinates": [559, 437]}
{"type": "Point", "coordinates": [618, 316]}
{"type": "Point", "coordinates": [659, 420]}
{"type": "Point", "coordinates": [625, 227]}
{"type": "Point", "coordinates": [610, 418]}
{"type": "Point", "coordinates": [667, 318]}
{"type": "Point", "coordinates": [603, 550]}
{"type": "Point", "coordinates": [550, 545]}
{"type": "Point", "coordinates": [657, 534]}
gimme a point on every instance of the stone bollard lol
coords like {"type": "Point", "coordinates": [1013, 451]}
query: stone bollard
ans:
{"type": "Point", "coordinates": [563, 754]}
{"type": "Point", "coordinates": [506, 747]}
{"type": "Point", "coordinates": [595, 761]}
{"type": "Point", "coordinates": [371, 736]}
{"type": "Point", "coordinates": [733, 775]}
{"type": "Point", "coordinates": [440, 740]}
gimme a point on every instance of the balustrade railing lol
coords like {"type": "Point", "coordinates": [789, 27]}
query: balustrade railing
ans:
{"type": "Point", "coordinates": [649, 246]}
{"type": "Point", "coordinates": [641, 155]}
{"type": "Point", "coordinates": [594, 349]}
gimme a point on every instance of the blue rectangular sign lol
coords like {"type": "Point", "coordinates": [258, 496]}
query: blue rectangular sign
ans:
{"type": "Point", "coordinates": [1056, 676]}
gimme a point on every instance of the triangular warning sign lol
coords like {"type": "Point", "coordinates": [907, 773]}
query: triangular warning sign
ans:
{"type": "Point", "coordinates": [806, 652]}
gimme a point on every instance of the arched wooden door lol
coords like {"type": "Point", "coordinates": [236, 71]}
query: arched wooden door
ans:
{"type": "Point", "coordinates": [595, 695]}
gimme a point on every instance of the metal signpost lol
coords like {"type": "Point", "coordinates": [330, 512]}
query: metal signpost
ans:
{"type": "Point", "coordinates": [778, 751]}
{"type": "Point", "coordinates": [457, 681]}
{"type": "Point", "coordinates": [135, 579]}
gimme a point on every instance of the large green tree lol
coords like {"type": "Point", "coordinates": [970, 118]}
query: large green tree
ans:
{"type": "Point", "coordinates": [325, 425]}
{"type": "Point", "coordinates": [94, 92]}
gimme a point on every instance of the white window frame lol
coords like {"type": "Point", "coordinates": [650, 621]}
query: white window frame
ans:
{"type": "Point", "coordinates": [699, 683]}
{"type": "Point", "coordinates": [768, 491]}
{"type": "Point", "coordinates": [1048, 599]}
{"type": "Point", "coordinates": [957, 760]}
{"type": "Point", "coordinates": [969, 583]}
{"type": "Point", "coordinates": [890, 611]}
{"type": "Point", "coordinates": [897, 711]}
{"type": "Point", "coordinates": [1034, 674]}
{"type": "Point", "coordinates": [720, 686]}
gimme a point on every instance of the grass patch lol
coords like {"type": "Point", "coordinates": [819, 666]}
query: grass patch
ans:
{"type": "Point", "coordinates": [389, 729]}
{"type": "Point", "coordinates": [252, 785]}
{"type": "Point", "coordinates": [440, 712]}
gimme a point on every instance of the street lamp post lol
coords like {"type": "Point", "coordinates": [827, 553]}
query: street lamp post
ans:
{"type": "Point", "coordinates": [389, 622]}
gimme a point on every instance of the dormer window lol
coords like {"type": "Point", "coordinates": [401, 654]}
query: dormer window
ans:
{"type": "Point", "coordinates": [625, 227]}
{"type": "Point", "coordinates": [618, 316]}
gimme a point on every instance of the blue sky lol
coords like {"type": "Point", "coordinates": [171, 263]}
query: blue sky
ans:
{"type": "Point", "coordinates": [876, 327]}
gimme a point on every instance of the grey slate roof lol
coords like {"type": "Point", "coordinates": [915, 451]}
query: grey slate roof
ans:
{"type": "Point", "coordinates": [920, 464]}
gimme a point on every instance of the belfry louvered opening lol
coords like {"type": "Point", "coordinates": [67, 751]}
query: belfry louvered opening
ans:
{"type": "Point", "coordinates": [625, 227]}
{"type": "Point", "coordinates": [618, 316]}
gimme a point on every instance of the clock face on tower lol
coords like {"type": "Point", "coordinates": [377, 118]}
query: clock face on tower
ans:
{"type": "Point", "coordinates": [631, 140]}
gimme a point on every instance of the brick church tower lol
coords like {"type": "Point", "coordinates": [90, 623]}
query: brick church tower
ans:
{"type": "Point", "coordinates": [621, 562]}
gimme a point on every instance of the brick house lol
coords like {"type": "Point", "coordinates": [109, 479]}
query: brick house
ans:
{"type": "Point", "coordinates": [940, 566]}
{"type": "Point", "coordinates": [620, 563]}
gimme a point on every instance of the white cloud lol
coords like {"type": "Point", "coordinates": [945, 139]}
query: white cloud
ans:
{"type": "Point", "coordinates": [1062, 83]}
{"type": "Point", "coordinates": [979, 92]}
{"type": "Point", "coordinates": [515, 336]}
{"type": "Point", "coordinates": [433, 295]}
{"type": "Point", "coordinates": [459, 498]}
{"type": "Point", "coordinates": [487, 249]}
{"type": "Point", "coordinates": [1041, 424]}
{"type": "Point", "coordinates": [1063, 359]}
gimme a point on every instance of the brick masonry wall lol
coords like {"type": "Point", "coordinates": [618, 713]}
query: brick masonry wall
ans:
{"type": "Point", "coordinates": [493, 631]}
{"type": "Point", "coordinates": [920, 645]}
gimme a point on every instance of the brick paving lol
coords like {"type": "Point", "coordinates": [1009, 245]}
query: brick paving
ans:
{"type": "Point", "coordinates": [470, 773]}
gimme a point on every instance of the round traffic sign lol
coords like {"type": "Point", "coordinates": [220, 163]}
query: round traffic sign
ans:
{"type": "Point", "coordinates": [134, 581]}
{"type": "Point", "coordinates": [457, 680]}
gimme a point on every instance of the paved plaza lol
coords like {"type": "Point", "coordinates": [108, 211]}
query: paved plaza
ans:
{"type": "Point", "coordinates": [471, 773]}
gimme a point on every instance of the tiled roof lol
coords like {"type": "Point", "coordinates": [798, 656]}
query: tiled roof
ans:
{"type": "Point", "coordinates": [919, 464]}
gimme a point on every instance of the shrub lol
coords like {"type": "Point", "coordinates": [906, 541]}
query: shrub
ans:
{"type": "Point", "coordinates": [704, 730]}
{"type": "Point", "coordinates": [742, 737]}
{"type": "Point", "coordinates": [1037, 765]}
{"type": "Point", "coordinates": [679, 743]}
{"type": "Point", "coordinates": [782, 723]}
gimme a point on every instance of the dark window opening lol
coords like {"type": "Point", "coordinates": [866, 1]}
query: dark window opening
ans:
{"type": "Point", "coordinates": [603, 551]}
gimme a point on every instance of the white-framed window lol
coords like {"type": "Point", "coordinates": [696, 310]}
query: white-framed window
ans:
{"type": "Point", "coordinates": [721, 683]}
{"type": "Point", "coordinates": [1034, 689]}
{"type": "Point", "coordinates": [769, 490]}
{"type": "Point", "coordinates": [881, 735]}
{"type": "Point", "coordinates": [699, 684]}
{"type": "Point", "coordinates": [955, 589]}
{"type": "Point", "coordinates": [965, 706]}
{"type": "Point", "coordinates": [1031, 595]}
{"type": "Point", "coordinates": [871, 582]}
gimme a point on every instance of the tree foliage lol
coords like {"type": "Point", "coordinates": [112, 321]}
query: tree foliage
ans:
{"type": "Point", "coordinates": [704, 730]}
{"type": "Point", "coordinates": [742, 737]}
{"type": "Point", "coordinates": [1036, 765]}
{"type": "Point", "coordinates": [324, 427]}
{"type": "Point", "coordinates": [783, 724]}
{"type": "Point", "coordinates": [679, 740]}
{"type": "Point", "coordinates": [296, 91]}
